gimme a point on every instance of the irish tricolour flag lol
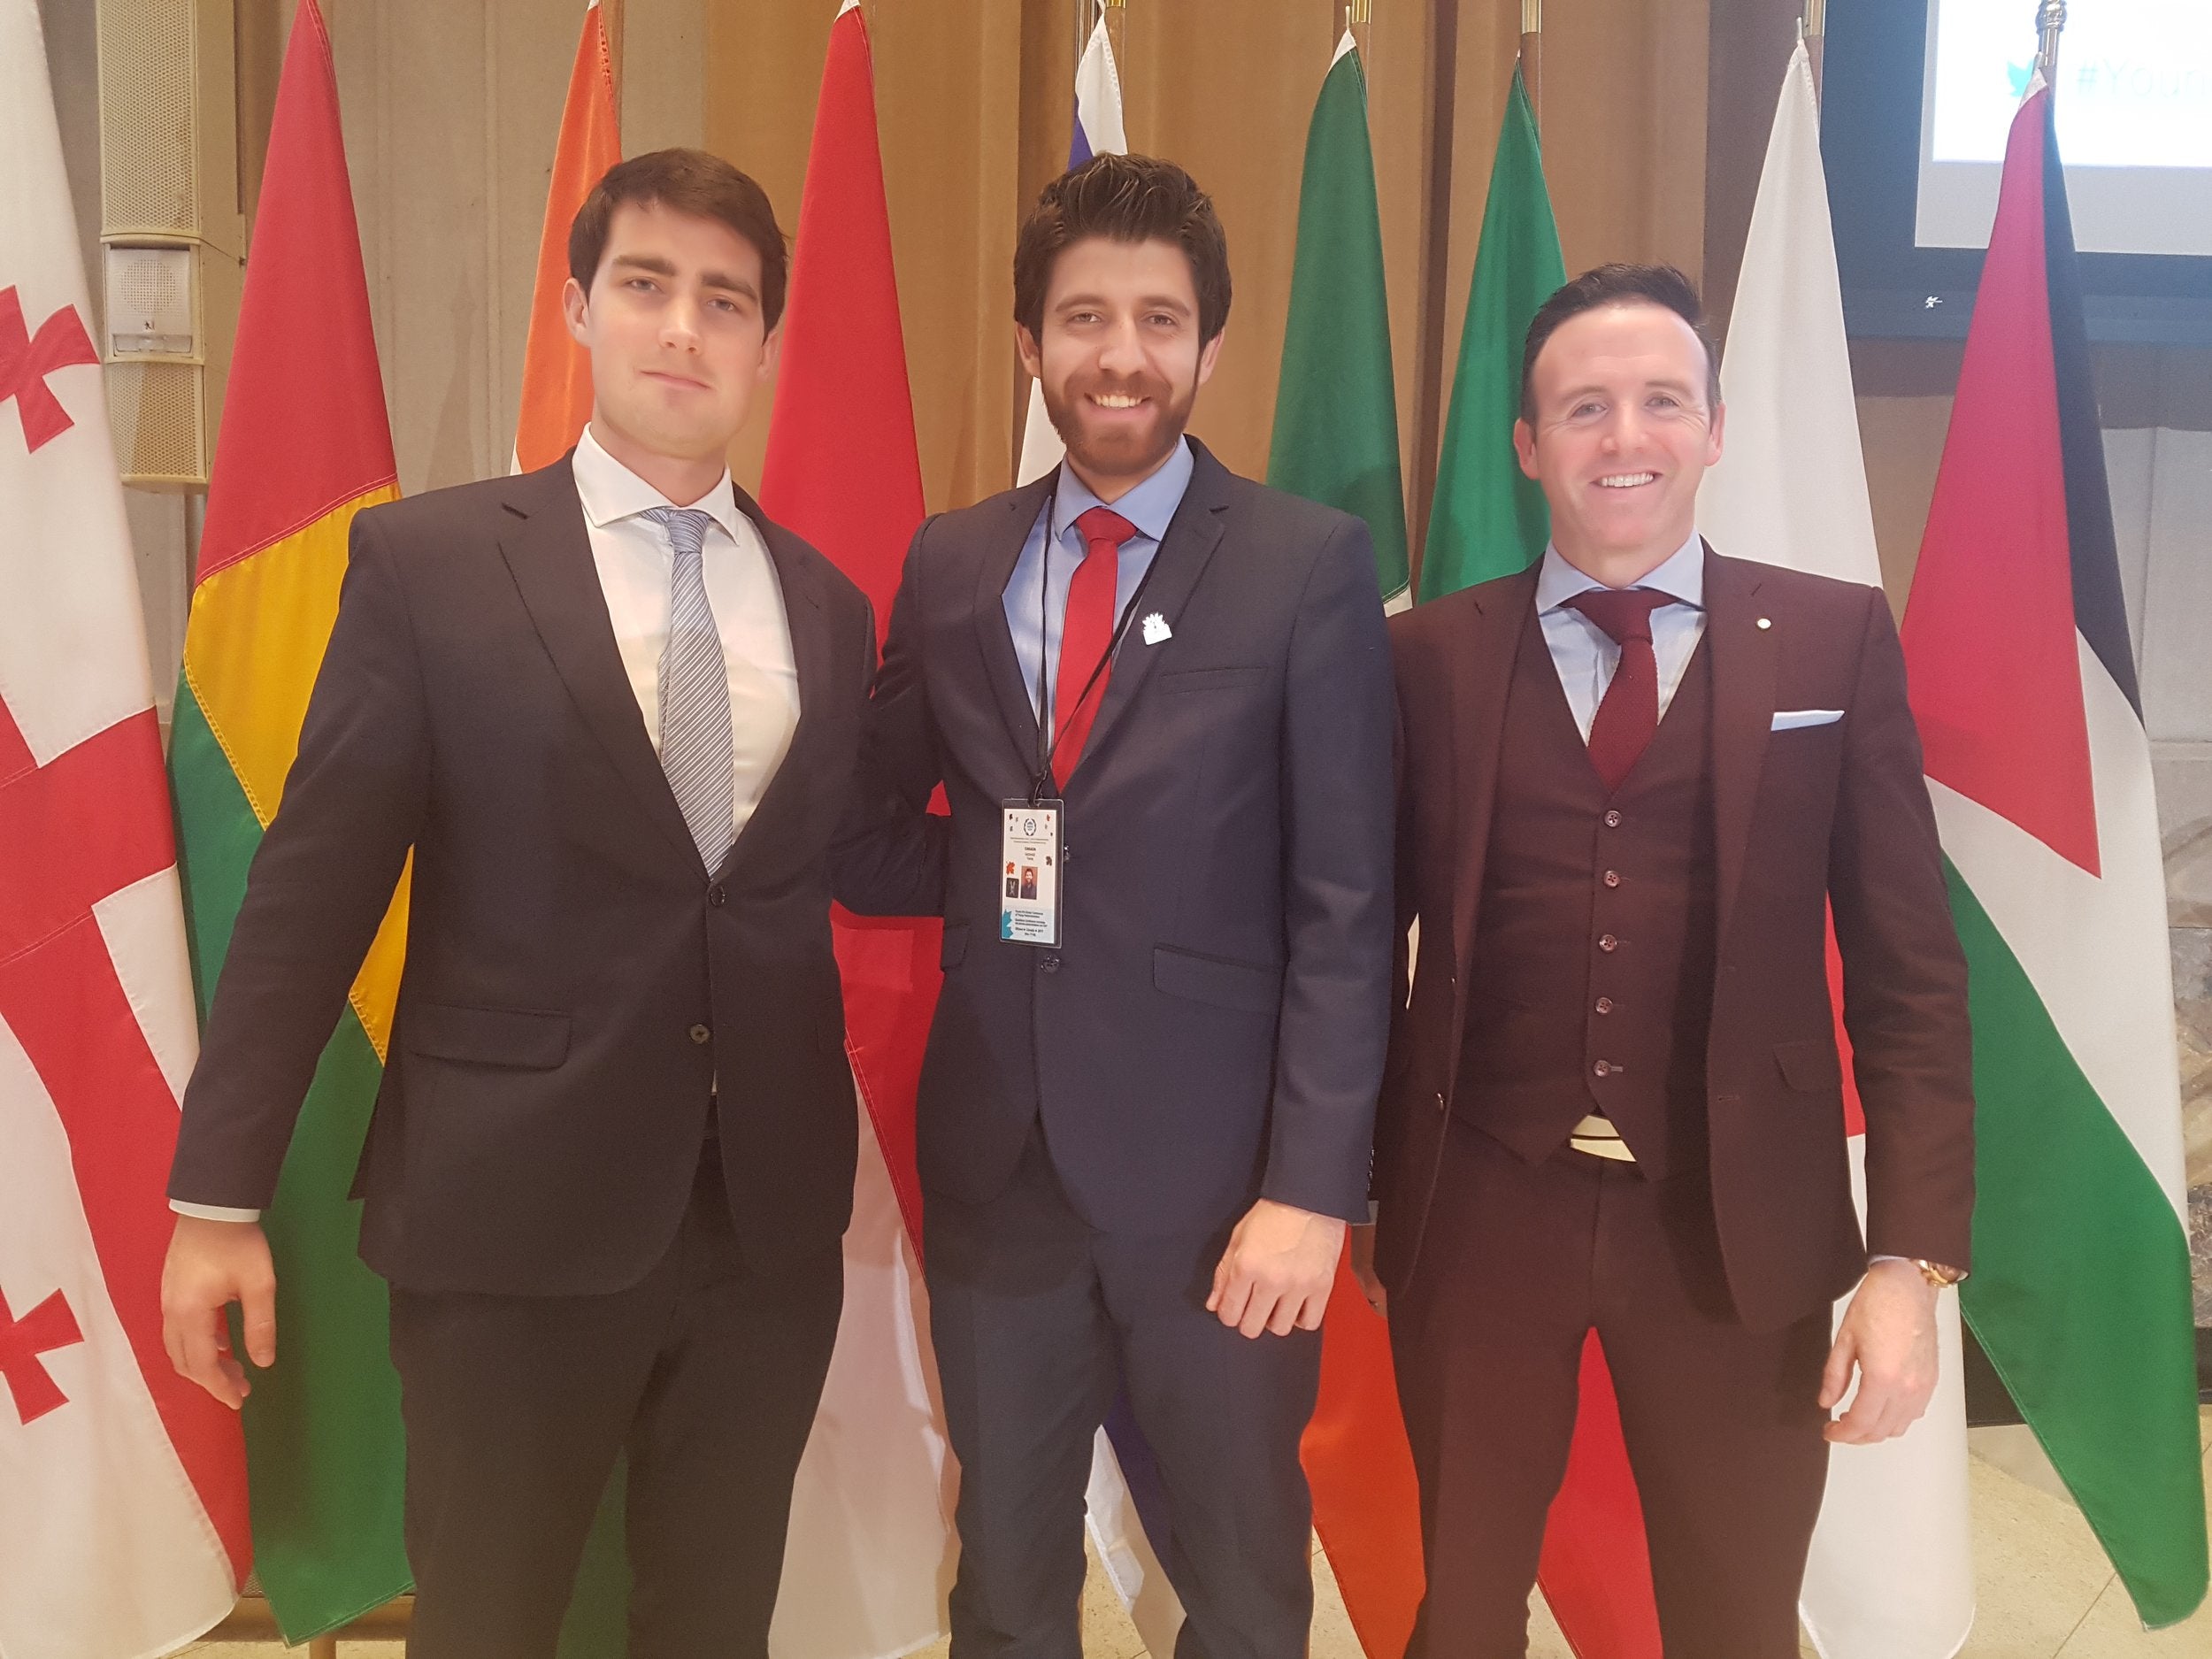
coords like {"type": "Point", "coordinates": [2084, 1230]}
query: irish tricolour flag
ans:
{"type": "Point", "coordinates": [2017, 648]}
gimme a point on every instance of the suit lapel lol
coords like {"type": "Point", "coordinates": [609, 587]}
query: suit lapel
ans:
{"type": "Point", "coordinates": [996, 568]}
{"type": "Point", "coordinates": [547, 552]}
{"type": "Point", "coordinates": [808, 621]}
{"type": "Point", "coordinates": [1743, 656]}
{"type": "Point", "coordinates": [1181, 559]}
{"type": "Point", "coordinates": [1481, 676]}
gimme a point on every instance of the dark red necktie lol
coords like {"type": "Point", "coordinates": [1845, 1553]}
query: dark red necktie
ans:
{"type": "Point", "coordinates": [1086, 633]}
{"type": "Point", "coordinates": [1628, 712]}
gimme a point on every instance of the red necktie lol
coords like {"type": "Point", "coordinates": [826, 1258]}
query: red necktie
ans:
{"type": "Point", "coordinates": [1628, 712]}
{"type": "Point", "coordinates": [1086, 633]}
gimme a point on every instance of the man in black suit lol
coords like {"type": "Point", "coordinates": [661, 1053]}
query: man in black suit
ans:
{"type": "Point", "coordinates": [613, 712]}
{"type": "Point", "coordinates": [1145, 1110]}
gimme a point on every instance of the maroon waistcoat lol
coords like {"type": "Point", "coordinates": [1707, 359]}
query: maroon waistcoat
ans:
{"type": "Point", "coordinates": [1592, 983]}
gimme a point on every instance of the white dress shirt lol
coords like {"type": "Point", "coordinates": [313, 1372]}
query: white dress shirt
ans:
{"type": "Point", "coordinates": [1585, 654]}
{"type": "Point", "coordinates": [636, 567]}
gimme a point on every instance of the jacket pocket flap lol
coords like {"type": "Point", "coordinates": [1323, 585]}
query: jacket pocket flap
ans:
{"type": "Point", "coordinates": [1208, 678]}
{"type": "Point", "coordinates": [1246, 986]}
{"type": "Point", "coordinates": [954, 946]}
{"type": "Point", "coordinates": [489, 1036]}
{"type": "Point", "coordinates": [1810, 1066]}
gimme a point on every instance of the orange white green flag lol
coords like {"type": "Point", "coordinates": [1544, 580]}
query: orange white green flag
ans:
{"type": "Point", "coordinates": [555, 371]}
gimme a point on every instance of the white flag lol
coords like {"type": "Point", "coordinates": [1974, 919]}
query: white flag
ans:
{"type": "Point", "coordinates": [1097, 132]}
{"type": "Point", "coordinates": [1891, 1573]}
{"type": "Point", "coordinates": [123, 1526]}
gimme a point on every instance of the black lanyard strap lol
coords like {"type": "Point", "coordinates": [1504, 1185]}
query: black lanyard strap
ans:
{"type": "Point", "coordinates": [1048, 736]}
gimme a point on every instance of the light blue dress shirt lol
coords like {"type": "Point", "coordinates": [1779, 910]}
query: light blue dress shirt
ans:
{"type": "Point", "coordinates": [1585, 654]}
{"type": "Point", "coordinates": [1036, 597]}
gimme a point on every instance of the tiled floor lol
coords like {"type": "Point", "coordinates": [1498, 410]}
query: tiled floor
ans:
{"type": "Point", "coordinates": [2044, 1589]}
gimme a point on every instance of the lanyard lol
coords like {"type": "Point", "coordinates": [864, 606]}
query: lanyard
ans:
{"type": "Point", "coordinates": [1048, 737]}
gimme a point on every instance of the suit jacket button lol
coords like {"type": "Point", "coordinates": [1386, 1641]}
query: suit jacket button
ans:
{"type": "Point", "coordinates": [700, 1034]}
{"type": "Point", "coordinates": [1439, 1102]}
{"type": "Point", "coordinates": [718, 895]}
{"type": "Point", "coordinates": [1050, 964]}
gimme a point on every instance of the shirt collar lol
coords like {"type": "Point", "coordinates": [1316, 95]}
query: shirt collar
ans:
{"type": "Point", "coordinates": [1150, 506]}
{"type": "Point", "coordinates": [611, 491]}
{"type": "Point", "coordinates": [1682, 578]}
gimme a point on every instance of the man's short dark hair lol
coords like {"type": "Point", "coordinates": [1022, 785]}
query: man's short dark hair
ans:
{"type": "Point", "coordinates": [1659, 285]}
{"type": "Point", "coordinates": [1123, 198]}
{"type": "Point", "coordinates": [684, 182]}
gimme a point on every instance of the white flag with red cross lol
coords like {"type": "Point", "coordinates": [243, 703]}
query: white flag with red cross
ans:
{"type": "Point", "coordinates": [123, 1526]}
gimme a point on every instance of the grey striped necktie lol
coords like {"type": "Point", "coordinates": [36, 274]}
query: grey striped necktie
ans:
{"type": "Point", "coordinates": [696, 750]}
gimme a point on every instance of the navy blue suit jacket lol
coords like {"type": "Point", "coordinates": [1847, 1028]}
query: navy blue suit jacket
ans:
{"type": "Point", "coordinates": [1211, 1028]}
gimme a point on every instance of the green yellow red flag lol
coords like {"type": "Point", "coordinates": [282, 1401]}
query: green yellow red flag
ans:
{"type": "Point", "coordinates": [304, 445]}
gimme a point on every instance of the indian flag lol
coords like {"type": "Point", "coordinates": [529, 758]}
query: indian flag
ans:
{"type": "Point", "coordinates": [304, 445]}
{"type": "Point", "coordinates": [555, 371]}
{"type": "Point", "coordinates": [2017, 648]}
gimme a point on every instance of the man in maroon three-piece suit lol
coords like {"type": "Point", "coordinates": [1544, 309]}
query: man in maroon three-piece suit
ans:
{"type": "Point", "coordinates": [1629, 778]}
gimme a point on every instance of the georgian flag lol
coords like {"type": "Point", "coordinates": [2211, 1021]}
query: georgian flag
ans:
{"type": "Point", "coordinates": [122, 1486]}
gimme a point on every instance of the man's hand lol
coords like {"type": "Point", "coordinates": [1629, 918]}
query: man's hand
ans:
{"type": "Point", "coordinates": [211, 1264]}
{"type": "Point", "coordinates": [1363, 1269]}
{"type": "Point", "coordinates": [1889, 1334]}
{"type": "Point", "coordinates": [1278, 1270]}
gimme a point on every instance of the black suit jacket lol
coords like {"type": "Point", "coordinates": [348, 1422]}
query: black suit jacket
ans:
{"type": "Point", "coordinates": [1837, 812]}
{"type": "Point", "coordinates": [1211, 1028]}
{"type": "Point", "coordinates": [576, 979]}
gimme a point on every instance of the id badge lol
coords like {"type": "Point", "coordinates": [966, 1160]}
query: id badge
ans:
{"type": "Point", "coordinates": [1029, 872]}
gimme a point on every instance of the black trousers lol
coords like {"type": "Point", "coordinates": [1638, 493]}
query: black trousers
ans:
{"type": "Point", "coordinates": [1037, 1320]}
{"type": "Point", "coordinates": [516, 1407]}
{"type": "Point", "coordinates": [1722, 1424]}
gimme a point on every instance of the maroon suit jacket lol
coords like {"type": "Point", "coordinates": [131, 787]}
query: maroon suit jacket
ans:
{"type": "Point", "coordinates": [1837, 810]}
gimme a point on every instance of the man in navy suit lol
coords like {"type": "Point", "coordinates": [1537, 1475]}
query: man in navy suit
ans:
{"type": "Point", "coordinates": [1145, 1106]}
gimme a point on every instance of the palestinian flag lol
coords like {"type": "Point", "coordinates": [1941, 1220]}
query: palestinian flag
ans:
{"type": "Point", "coordinates": [304, 445]}
{"type": "Point", "coordinates": [2023, 683]}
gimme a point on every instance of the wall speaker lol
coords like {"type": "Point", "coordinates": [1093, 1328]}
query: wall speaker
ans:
{"type": "Point", "coordinates": [171, 230]}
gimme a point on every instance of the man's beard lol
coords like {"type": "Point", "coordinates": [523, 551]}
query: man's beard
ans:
{"type": "Point", "coordinates": [1130, 452]}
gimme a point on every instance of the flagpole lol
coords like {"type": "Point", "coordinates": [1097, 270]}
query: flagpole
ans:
{"type": "Point", "coordinates": [1117, 15]}
{"type": "Point", "coordinates": [1813, 30]}
{"type": "Point", "coordinates": [1533, 56]}
{"type": "Point", "coordinates": [2050, 20]}
{"type": "Point", "coordinates": [1358, 15]}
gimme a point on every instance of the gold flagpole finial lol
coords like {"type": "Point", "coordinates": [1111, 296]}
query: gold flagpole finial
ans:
{"type": "Point", "coordinates": [1532, 16]}
{"type": "Point", "coordinates": [2050, 22]}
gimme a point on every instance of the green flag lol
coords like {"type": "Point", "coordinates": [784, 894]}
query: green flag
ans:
{"type": "Point", "coordinates": [1489, 520]}
{"type": "Point", "coordinates": [1336, 409]}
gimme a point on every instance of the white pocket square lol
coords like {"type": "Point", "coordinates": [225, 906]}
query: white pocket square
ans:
{"type": "Point", "coordinates": [1791, 719]}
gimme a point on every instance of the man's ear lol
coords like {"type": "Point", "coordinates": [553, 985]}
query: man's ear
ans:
{"type": "Point", "coordinates": [771, 349]}
{"type": "Point", "coordinates": [1032, 355]}
{"type": "Point", "coordinates": [573, 302]}
{"type": "Point", "coordinates": [1712, 435]}
{"type": "Point", "coordinates": [1208, 355]}
{"type": "Point", "coordinates": [1525, 446]}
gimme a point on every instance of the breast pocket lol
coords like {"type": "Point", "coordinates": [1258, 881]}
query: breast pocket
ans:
{"type": "Point", "coordinates": [1209, 678]}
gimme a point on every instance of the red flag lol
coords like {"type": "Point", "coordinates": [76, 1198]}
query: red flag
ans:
{"type": "Point", "coordinates": [555, 371]}
{"type": "Point", "coordinates": [842, 471]}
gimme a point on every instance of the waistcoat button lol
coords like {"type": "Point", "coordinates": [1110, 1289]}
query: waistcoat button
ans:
{"type": "Point", "coordinates": [1606, 941]}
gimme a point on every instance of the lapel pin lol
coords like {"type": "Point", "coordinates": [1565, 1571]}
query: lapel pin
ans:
{"type": "Point", "coordinates": [1765, 623]}
{"type": "Point", "coordinates": [1155, 629]}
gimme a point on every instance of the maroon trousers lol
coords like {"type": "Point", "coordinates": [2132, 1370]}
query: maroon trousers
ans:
{"type": "Point", "coordinates": [1723, 1432]}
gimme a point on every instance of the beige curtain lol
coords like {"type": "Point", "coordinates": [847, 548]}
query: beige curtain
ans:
{"type": "Point", "coordinates": [451, 111]}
